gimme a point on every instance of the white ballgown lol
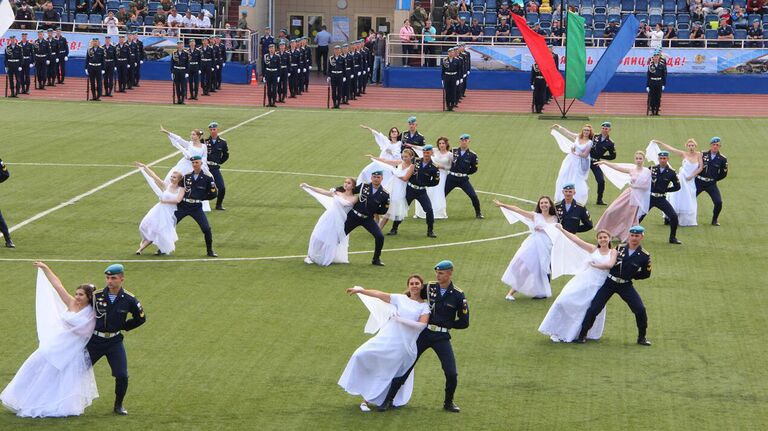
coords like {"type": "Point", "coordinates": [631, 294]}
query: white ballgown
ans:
{"type": "Point", "coordinates": [563, 320]}
{"type": "Point", "coordinates": [437, 193]}
{"type": "Point", "coordinates": [574, 168]}
{"type": "Point", "coordinates": [527, 272]}
{"type": "Point", "coordinates": [184, 165]}
{"type": "Point", "coordinates": [398, 205]}
{"type": "Point", "coordinates": [387, 355]}
{"type": "Point", "coordinates": [389, 151]}
{"type": "Point", "coordinates": [57, 379]}
{"type": "Point", "coordinates": [159, 225]}
{"type": "Point", "coordinates": [328, 242]}
{"type": "Point", "coordinates": [684, 200]}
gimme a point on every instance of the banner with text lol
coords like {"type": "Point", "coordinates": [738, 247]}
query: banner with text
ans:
{"type": "Point", "coordinates": [156, 47]}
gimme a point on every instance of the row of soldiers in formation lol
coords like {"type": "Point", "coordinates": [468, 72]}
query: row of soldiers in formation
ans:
{"type": "Point", "coordinates": [455, 72]}
{"type": "Point", "coordinates": [349, 71]}
{"type": "Point", "coordinates": [48, 56]}
{"type": "Point", "coordinates": [286, 69]}
{"type": "Point", "coordinates": [197, 66]}
{"type": "Point", "coordinates": [103, 62]}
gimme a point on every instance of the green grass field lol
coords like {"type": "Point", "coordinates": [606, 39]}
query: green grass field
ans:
{"type": "Point", "coordinates": [260, 344]}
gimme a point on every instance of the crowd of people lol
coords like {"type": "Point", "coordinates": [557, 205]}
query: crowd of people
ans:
{"type": "Point", "coordinates": [197, 66]}
{"type": "Point", "coordinates": [47, 57]}
{"type": "Point", "coordinates": [286, 67]}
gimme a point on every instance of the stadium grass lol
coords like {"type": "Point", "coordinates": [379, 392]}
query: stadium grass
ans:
{"type": "Point", "coordinates": [261, 344]}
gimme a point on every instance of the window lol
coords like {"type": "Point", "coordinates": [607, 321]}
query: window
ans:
{"type": "Point", "coordinates": [364, 25]}
{"type": "Point", "coordinates": [314, 25]}
{"type": "Point", "coordinates": [296, 26]}
{"type": "Point", "coordinates": [382, 24]}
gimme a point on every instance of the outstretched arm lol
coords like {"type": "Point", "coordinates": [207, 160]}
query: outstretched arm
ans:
{"type": "Point", "coordinates": [670, 148]}
{"type": "Point", "coordinates": [369, 292]}
{"type": "Point", "coordinates": [158, 181]}
{"type": "Point", "coordinates": [66, 298]}
{"type": "Point", "coordinates": [578, 241]}
{"type": "Point", "coordinates": [317, 189]}
{"type": "Point", "coordinates": [385, 161]}
{"type": "Point", "coordinates": [565, 132]}
{"type": "Point", "coordinates": [524, 213]}
{"type": "Point", "coordinates": [613, 166]}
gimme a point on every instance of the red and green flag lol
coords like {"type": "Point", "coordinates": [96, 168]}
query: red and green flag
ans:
{"type": "Point", "coordinates": [538, 47]}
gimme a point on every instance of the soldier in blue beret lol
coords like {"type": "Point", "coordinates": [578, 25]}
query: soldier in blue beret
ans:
{"type": "Point", "coordinates": [632, 262]}
{"type": "Point", "coordinates": [336, 78]}
{"type": "Point", "coordinates": [179, 72]}
{"type": "Point", "coordinates": [372, 199]}
{"type": "Point", "coordinates": [449, 310]}
{"type": "Point", "coordinates": [272, 63]}
{"type": "Point", "coordinates": [198, 187]}
{"type": "Point", "coordinates": [4, 175]}
{"type": "Point", "coordinates": [425, 174]}
{"type": "Point", "coordinates": [603, 148]}
{"type": "Point", "coordinates": [572, 216]}
{"type": "Point", "coordinates": [218, 154]}
{"type": "Point", "coordinates": [13, 69]}
{"type": "Point", "coordinates": [715, 170]}
{"type": "Point", "coordinates": [264, 43]}
{"type": "Point", "coordinates": [112, 306]}
{"type": "Point", "coordinates": [664, 180]}
{"type": "Point", "coordinates": [94, 69]}
{"type": "Point", "coordinates": [464, 164]}
{"type": "Point", "coordinates": [411, 137]}
{"type": "Point", "coordinates": [656, 81]}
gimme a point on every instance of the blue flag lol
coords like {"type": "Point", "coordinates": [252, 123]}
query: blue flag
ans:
{"type": "Point", "coordinates": [609, 62]}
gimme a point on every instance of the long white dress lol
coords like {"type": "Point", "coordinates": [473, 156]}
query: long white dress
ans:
{"type": "Point", "coordinates": [159, 224]}
{"type": "Point", "coordinates": [389, 151]}
{"type": "Point", "coordinates": [527, 272]}
{"type": "Point", "coordinates": [684, 200]}
{"type": "Point", "coordinates": [184, 165]}
{"type": "Point", "coordinates": [387, 355]}
{"type": "Point", "coordinates": [574, 168]}
{"type": "Point", "coordinates": [328, 243]}
{"type": "Point", "coordinates": [437, 193]}
{"type": "Point", "coordinates": [396, 186]}
{"type": "Point", "coordinates": [563, 320]}
{"type": "Point", "coordinates": [57, 379]}
{"type": "Point", "coordinates": [630, 205]}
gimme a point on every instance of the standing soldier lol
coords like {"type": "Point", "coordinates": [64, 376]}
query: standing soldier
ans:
{"type": "Point", "coordinates": [539, 87]}
{"type": "Point", "coordinates": [4, 175]}
{"type": "Point", "coordinates": [293, 58]}
{"type": "Point", "coordinates": [221, 57]}
{"type": "Point", "coordinates": [198, 187]}
{"type": "Point", "coordinates": [425, 174]}
{"type": "Point", "coordinates": [450, 79]}
{"type": "Point", "coordinates": [264, 43]}
{"type": "Point", "coordinates": [307, 62]}
{"type": "Point", "coordinates": [94, 68]}
{"type": "Point", "coordinates": [110, 59]}
{"type": "Point", "coordinates": [345, 75]}
{"type": "Point", "coordinates": [53, 58]}
{"type": "Point", "coordinates": [349, 70]}
{"type": "Point", "coordinates": [556, 59]}
{"type": "Point", "coordinates": [140, 57]}
{"type": "Point", "coordinates": [206, 66]}
{"type": "Point", "coordinates": [180, 71]}
{"type": "Point", "coordinates": [61, 70]}
{"type": "Point", "coordinates": [366, 66]}
{"type": "Point", "coordinates": [112, 306]}
{"type": "Point", "coordinates": [27, 55]}
{"type": "Point", "coordinates": [194, 69]}
{"type": "Point", "coordinates": [570, 214]}
{"type": "Point", "coordinates": [355, 86]}
{"type": "Point", "coordinates": [715, 169]}
{"type": "Point", "coordinates": [656, 81]}
{"type": "Point", "coordinates": [336, 70]}
{"type": "Point", "coordinates": [464, 164]}
{"type": "Point", "coordinates": [664, 180]}
{"type": "Point", "coordinates": [123, 53]}
{"type": "Point", "coordinates": [13, 69]}
{"type": "Point", "coordinates": [412, 135]}
{"type": "Point", "coordinates": [131, 62]}
{"type": "Point", "coordinates": [271, 74]}
{"type": "Point", "coordinates": [286, 73]}
{"type": "Point", "coordinates": [602, 149]}
{"type": "Point", "coordinates": [42, 51]}
{"type": "Point", "coordinates": [218, 154]}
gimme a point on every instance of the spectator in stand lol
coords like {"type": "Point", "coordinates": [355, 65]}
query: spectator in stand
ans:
{"type": "Point", "coordinates": [112, 23]}
{"type": "Point", "coordinates": [39, 5]}
{"type": "Point", "coordinates": [532, 7]}
{"type": "Point", "coordinates": [322, 40]}
{"type": "Point", "coordinates": [657, 37]}
{"type": "Point", "coordinates": [139, 7]}
{"type": "Point", "coordinates": [670, 34]}
{"type": "Point", "coordinates": [724, 34]}
{"type": "Point", "coordinates": [51, 18]}
{"type": "Point", "coordinates": [203, 21]}
{"type": "Point", "coordinates": [556, 34]}
{"type": "Point", "coordinates": [242, 23]}
{"type": "Point", "coordinates": [477, 31]}
{"type": "Point", "coordinates": [451, 11]}
{"type": "Point", "coordinates": [172, 29]}
{"type": "Point", "coordinates": [418, 19]}
{"type": "Point", "coordinates": [406, 39]}
{"type": "Point", "coordinates": [428, 38]}
{"type": "Point", "coordinates": [379, 58]}
{"type": "Point", "coordinates": [697, 34]}
{"type": "Point", "coordinates": [81, 6]}
{"type": "Point", "coordinates": [97, 6]}
{"type": "Point", "coordinates": [503, 30]}
{"type": "Point", "coordinates": [727, 15]}
{"type": "Point", "coordinates": [537, 29]}
{"type": "Point", "coordinates": [697, 11]}
{"type": "Point", "coordinates": [740, 20]}
{"type": "Point", "coordinates": [160, 16]}
{"type": "Point", "coordinates": [133, 23]}
{"type": "Point", "coordinates": [24, 13]}
{"type": "Point", "coordinates": [167, 5]}
{"type": "Point", "coordinates": [122, 14]}
{"type": "Point", "coordinates": [755, 34]}
{"type": "Point", "coordinates": [174, 19]}
{"type": "Point", "coordinates": [229, 43]}
{"type": "Point", "coordinates": [464, 6]}
{"type": "Point", "coordinates": [504, 11]}
{"type": "Point", "coordinates": [188, 22]}
{"type": "Point", "coordinates": [756, 6]}
{"type": "Point", "coordinates": [518, 10]}
{"type": "Point", "coordinates": [713, 6]}
{"type": "Point", "coordinates": [462, 30]}
{"type": "Point", "coordinates": [159, 29]}
{"type": "Point", "coordinates": [641, 40]}
{"type": "Point", "coordinates": [449, 27]}
{"type": "Point", "coordinates": [610, 32]}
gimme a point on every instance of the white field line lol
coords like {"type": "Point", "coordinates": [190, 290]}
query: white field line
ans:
{"type": "Point", "coordinates": [114, 180]}
{"type": "Point", "coordinates": [250, 259]}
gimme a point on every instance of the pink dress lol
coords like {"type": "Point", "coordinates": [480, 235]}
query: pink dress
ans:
{"type": "Point", "coordinates": [631, 204]}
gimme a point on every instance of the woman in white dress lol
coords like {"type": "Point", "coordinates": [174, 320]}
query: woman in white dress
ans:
{"type": "Point", "coordinates": [390, 147]}
{"type": "Point", "coordinates": [563, 320]}
{"type": "Point", "coordinates": [442, 158]}
{"type": "Point", "coordinates": [392, 351]}
{"type": "Point", "coordinates": [575, 166]}
{"type": "Point", "coordinates": [632, 203]}
{"type": "Point", "coordinates": [401, 171]}
{"type": "Point", "coordinates": [193, 147]}
{"type": "Point", "coordinates": [528, 271]}
{"type": "Point", "coordinates": [159, 225]}
{"type": "Point", "coordinates": [328, 242]}
{"type": "Point", "coordinates": [684, 200]}
{"type": "Point", "coordinates": [57, 379]}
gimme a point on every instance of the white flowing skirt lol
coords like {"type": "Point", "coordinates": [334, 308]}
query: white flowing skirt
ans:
{"type": "Point", "coordinates": [159, 226]}
{"type": "Point", "coordinates": [574, 169]}
{"type": "Point", "coordinates": [684, 201]}
{"type": "Point", "coordinates": [328, 242]}
{"type": "Point", "coordinates": [184, 166]}
{"type": "Point", "coordinates": [527, 272]}
{"type": "Point", "coordinates": [365, 175]}
{"type": "Point", "coordinates": [398, 205]}
{"type": "Point", "coordinates": [437, 198]}
{"type": "Point", "coordinates": [563, 320]}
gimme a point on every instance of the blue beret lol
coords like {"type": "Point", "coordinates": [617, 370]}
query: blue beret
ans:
{"type": "Point", "coordinates": [637, 229]}
{"type": "Point", "coordinates": [663, 153]}
{"type": "Point", "coordinates": [213, 125]}
{"type": "Point", "coordinates": [411, 120]}
{"type": "Point", "coordinates": [284, 30]}
{"type": "Point", "coordinates": [12, 37]}
{"type": "Point", "coordinates": [114, 269]}
{"type": "Point", "coordinates": [122, 36]}
{"type": "Point", "coordinates": [464, 136]}
{"type": "Point", "coordinates": [379, 172]}
{"type": "Point", "coordinates": [95, 38]}
{"type": "Point", "coordinates": [606, 124]}
{"type": "Point", "coordinates": [244, 12]}
{"type": "Point", "coordinates": [657, 51]}
{"type": "Point", "coordinates": [24, 34]}
{"type": "Point", "coordinates": [196, 157]}
{"type": "Point", "coordinates": [569, 186]}
{"type": "Point", "coordinates": [428, 148]}
{"type": "Point", "coordinates": [107, 37]}
{"type": "Point", "coordinates": [715, 140]}
{"type": "Point", "coordinates": [444, 265]}
{"type": "Point", "coordinates": [271, 45]}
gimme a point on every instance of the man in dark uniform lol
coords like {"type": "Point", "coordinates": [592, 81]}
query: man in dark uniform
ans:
{"type": "Point", "coordinates": [450, 79]}
{"type": "Point", "coordinates": [138, 47]}
{"type": "Point", "coordinates": [664, 180]}
{"type": "Point", "coordinates": [288, 69]}
{"type": "Point", "coordinates": [180, 71]}
{"type": "Point", "coordinates": [425, 174]}
{"type": "Point", "coordinates": [372, 199]}
{"type": "Point", "coordinates": [194, 69]}
{"type": "Point", "coordinates": [110, 59]}
{"type": "Point", "coordinates": [271, 74]}
{"type": "Point", "coordinates": [366, 66]}
{"type": "Point", "coordinates": [13, 69]}
{"type": "Point", "coordinates": [412, 135]}
{"type": "Point", "coordinates": [354, 82]}
{"type": "Point", "coordinates": [348, 71]}
{"type": "Point", "coordinates": [53, 58]}
{"type": "Point", "coordinates": [63, 56]}
{"type": "Point", "coordinates": [207, 66]}
{"type": "Point", "coordinates": [556, 59]}
{"type": "Point", "coordinates": [570, 214]}
{"type": "Point", "coordinates": [42, 52]}
{"type": "Point", "coordinates": [656, 81]}
{"type": "Point", "coordinates": [715, 169]}
{"type": "Point", "coordinates": [467, 63]}
{"type": "Point", "coordinates": [218, 154]}
{"type": "Point", "coordinates": [632, 262]}
{"type": "Point", "coordinates": [131, 61]}
{"type": "Point", "coordinates": [603, 148]}
{"type": "Point", "coordinates": [221, 56]}
{"type": "Point", "coordinates": [336, 70]}
{"type": "Point", "coordinates": [539, 87]}
{"type": "Point", "coordinates": [198, 187]}
{"type": "Point", "coordinates": [464, 164]}
{"type": "Point", "coordinates": [4, 175]}
{"type": "Point", "coordinates": [27, 55]}
{"type": "Point", "coordinates": [307, 63]}
{"type": "Point", "coordinates": [94, 68]}
{"type": "Point", "coordinates": [123, 53]}
{"type": "Point", "coordinates": [448, 310]}
{"type": "Point", "coordinates": [264, 43]}
{"type": "Point", "coordinates": [112, 306]}
{"type": "Point", "coordinates": [293, 59]}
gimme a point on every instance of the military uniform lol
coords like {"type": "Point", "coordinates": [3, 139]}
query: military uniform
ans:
{"type": "Point", "coordinates": [198, 188]}
{"type": "Point", "coordinates": [466, 62]}
{"type": "Point", "coordinates": [715, 169]}
{"type": "Point", "coordinates": [365, 58]}
{"type": "Point", "coordinates": [28, 57]}
{"type": "Point", "coordinates": [42, 52]}
{"type": "Point", "coordinates": [414, 138]}
{"type": "Point", "coordinates": [179, 72]}
{"type": "Point", "coordinates": [264, 43]}
{"type": "Point", "coordinates": [53, 59]}
{"type": "Point", "coordinates": [288, 73]}
{"type": "Point", "coordinates": [663, 181]}
{"type": "Point", "coordinates": [131, 65]}
{"type": "Point", "coordinates": [140, 56]}
{"type": "Point", "coordinates": [13, 69]}
{"type": "Point", "coordinates": [425, 174]}
{"type": "Point", "coordinates": [573, 217]}
{"type": "Point", "coordinates": [194, 72]}
{"type": "Point", "coordinates": [356, 68]}
{"type": "Point", "coordinates": [207, 67]}
{"type": "Point", "coordinates": [63, 57]}
{"type": "Point", "coordinates": [94, 68]}
{"type": "Point", "coordinates": [336, 70]}
{"type": "Point", "coordinates": [450, 81]}
{"type": "Point", "coordinates": [603, 148]}
{"type": "Point", "coordinates": [4, 175]}
{"type": "Point", "coordinates": [369, 203]}
{"type": "Point", "coordinates": [539, 87]}
{"type": "Point", "coordinates": [220, 57]}
{"type": "Point", "coordinates": [307, 66]}
{"type": "Point", "coordinates": [271, 73]}
{"type": "Point", "coordinates": [464, 164]}
{"type": "Point", "coordinates": [218, 154]}
{"type": "Point", "coordinates": [348, 69]}
{"type": "Point", "coordinates": [656, 80]}
{"type": "Point", "coordinates": [123, 66]}
{"type": "Point", "coordinates": [110, 61]}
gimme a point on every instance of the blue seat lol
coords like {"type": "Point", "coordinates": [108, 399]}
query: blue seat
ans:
{"type": "Point", "coordinates": [489, 31]}
{"type": "Point", "coordinates": [710, 33]}
{"type": "Point", "coordinates": [466, 15]}
{"type": "Point", "coordinates": [682, 34]}
{"type": "Point", "coordinates": [669, 6]}
{"type": "Point", "coordinates": [182, 8]}
{"type": "Point", "coordinates": [600, 10]}
{"type": "Point", "coordinates": [195, 7]}
{"type": "Point", "coordinates": [178, 2]}
{"type": "Point", "coordinates": [601, 3]}
{"type": "Point", "coordinates": [709, 18]}
{"type": "Point", "coordinates": [210, 8]}
{"type": "Point", "coordinates": [588, 20]}
{"type": "Point", "coordinates": [152, 6]}
{"type": "Point", "coordinates": [490, 4]}
{"type": "Point", "coordinates": [669, 18]}
{"type": "Point", "coordinates": [149, 20]}
{"type": "Point", "coordinates": [683, 26]}
{"type": "Point", "coordinates": [81, 18]}
{"type": "Point", "coordinates": [587, 3]}
{"type": "Point", "coordinates": [653, 20]}
{"type": "Point", "coordinates": [655, 4]}
{"type": "Point", "coordinates": [531, 17]}
{"type": "Point", "coordinates": [546, 25]}
{"type": "Point", "coordinates": [739, 34]}
{"type": "Point", "coordinates": [682, 6]}
{"type": "Point", "coordinates": [490, 18]}
{"type": "Point", "coordinates": [742, 3]}
{"type": "Point", "coordinates": [683, 18]}
{"type": "Point", "coordinates": [727, 4]}
{"type": "Point", "coordinates": [641, 6]}
{"type": "Point", "coordinates": [751, 17]}
{"type": "Point", "coordinates": [38, 15]}
{"type": "Point", "coordinates": [642, 16]}
{"type": "Point", "coordinates": [545, 17]}
{"type": "Point", "coordinates": [600, 18]}
{"type": "Point", "coordinates": [627, 5]}
{"type": "Point", "coordinates": [59, 3]}
{"type": "Point", "coordinates": [95, 18]}
{"type": "Point", "coordinates": [599, 27]}
{"type": "Point", "coordinates": [616, 18]}
{"type": "Point", "coordinates": [765, 18]}
{"type": "Point", "coordinates": [112, 4]}
{"type": "Point", "coordinates": [515, 32]}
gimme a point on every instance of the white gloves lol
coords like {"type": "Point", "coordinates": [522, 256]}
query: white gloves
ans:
{"type": "Point", "coordinates": [663, 87]}
{"type": "Point", "coordinates": [289, 75]}
{"type": "Point", "coordinates": [344, 80]}
{"type": "Point", "coordinates": [199, 72]}
{"type": "Point", "coordinates": [47, 61]}
{"type": "Point", "coordinates": [66, 58]}
{"type": "Point", "coordinates": [647, 90]}
{"type": "Point", "coordinates": [129, 66]}
{"type": "Point", "coordinates": [310, 67]}
{"type": "Point", "coordinates": [102, 72]}
{"type": "Point", "coordinates": [358, 73]}
{"type": "Point", "coordinates": [19, 69]}
{"type": "Point", "coordinates": [217, 66]}
{"type": "Point", "coordinates": [86, 72]}
{"type": "Point", "coordinates": [171, 75]}
{"type": "Point", "coordinates": [186, 75]}
{"type": "Point", "coordinates": [141, 61]}
{"type": "Point", "coordinates": [57, 60]}
{"type": "Point", "coordinates": [457, 82]}
{"type": "Point", "coordinates": [278, 79]}
{"type": "Point", "coordinates": [531, 87]}
{"type": "Point", "coordinates": [326, 79]}
{"type": "Point", "coordinates": [305, 70]}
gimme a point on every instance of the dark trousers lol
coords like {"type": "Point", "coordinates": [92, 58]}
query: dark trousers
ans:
{"type": "Point", "coordinates": [669, 213]}
{"type": "Point", "coordinates": [322, 59]}
{"type": "Point", "coordinates": [205, 79]}
{"type": "Point", "coordinates": [354, 89]}
{"type": "Point", "coordinates": [217, 73]}
{"type": "Point", "coordinates": [40, 72]}
{"type": "Point", "coordinates": [444, 352]}
{"type": "Point", "coordinates": [353, 221]}
{"type": "Point", "coordinates": [109, 77]}
{"type": "Point", "coordinates": [179, 85]}
{"type": "Point", "coordinates": [61, 70]}
{"type": "Point", "coordinates": [628, 294]}
{"type": "Point", "coordinates": [539, 95]}
{"type": "Point", "coordinates": [122, 76]}
{"type": "Point", "coordinates": [25, 77]}
{"type": "Point", "coordinates": [305, 77]}
{"type": "Point", "coordinates": [14, 78]}
{"type": "Point", "coordinates": [136, 72]}
{"type": "Point", "coordinates": [194, 82]}
{"type": "Point", "coordinates": [51, 73]}
{"type": "Point", "coordinates": [345, 87]}
{"type": "Point", "coordinates": [114, 350]}
{"type": "Point", "coordinates": [422, 197]}
{"type": "Point", "coordinates": [654, 96]}
{"type": "Point", "coordinates": [449, 88]}
{"type": "Point", "coordinates": [599, 179]}
{"type": "Point", "coordinates": [452, 181]}
{"type": "Point", "coordinates": [129, 75]}
{"type": "Point", "coordinates": [710, 187]}
{"type": "Point", "coordinates": [219, 180]}
{"type": "Point", "coordinates": [336, 89]}
{"type": "Point", "coordinates": [96, 80]}
{"type": "Point", "coordinates": [272, 89]}
{"type": "Point", "coordinates": [4, 228]}
{"type": "Point", "coordinates": [196, 212]}
{"type": "Point", "coordinates": [282, 86]}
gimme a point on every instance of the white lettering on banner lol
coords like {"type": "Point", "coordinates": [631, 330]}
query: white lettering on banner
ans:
{"type": "Point", "coordinates": [79, 42]}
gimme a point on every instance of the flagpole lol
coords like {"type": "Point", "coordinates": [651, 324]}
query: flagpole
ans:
{"type": "Point", "coordinates": [564, 26]}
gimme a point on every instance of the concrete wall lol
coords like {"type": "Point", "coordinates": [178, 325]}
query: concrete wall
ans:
{"type": "Point", "coordinates": [328, 9]}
